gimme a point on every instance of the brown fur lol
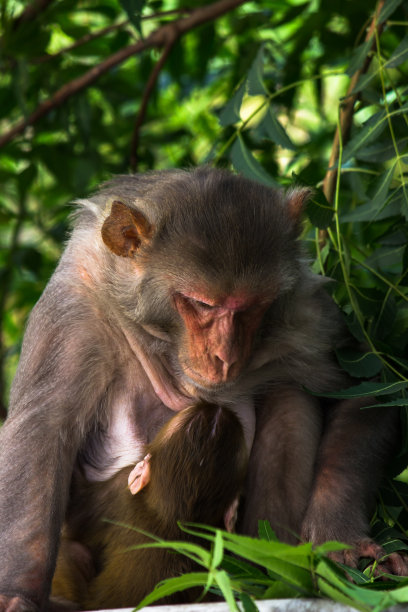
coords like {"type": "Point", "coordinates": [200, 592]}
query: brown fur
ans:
{"type": "Point", "coordinates": [198, 463]}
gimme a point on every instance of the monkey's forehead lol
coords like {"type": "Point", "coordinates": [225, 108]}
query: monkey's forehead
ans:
{"type": "Point", "coordinates": [160, 193]}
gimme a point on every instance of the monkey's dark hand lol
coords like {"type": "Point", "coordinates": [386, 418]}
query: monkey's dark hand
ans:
{"type": "Point", "coordinates": [16, 604]}
{"type": "Point", "coordinates": [140, 475]}
{"type": "Point", "coordinates": [394, 563]}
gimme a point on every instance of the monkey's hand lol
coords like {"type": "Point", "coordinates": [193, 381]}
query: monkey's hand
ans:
{"type": "Point", "coordinates": [140, 475]}
{"type": "Point", "coordinates": [16, 604]}
{"type": "Point", "coordinates": [394, 563]}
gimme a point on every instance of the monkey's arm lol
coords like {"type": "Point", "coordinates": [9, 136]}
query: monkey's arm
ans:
{"type": "Point", "coordinates": [280, 471]}
{"type": "Point", "coordinates": [51, 403]}
{"type": "Point", "coordinates": [354, 452]}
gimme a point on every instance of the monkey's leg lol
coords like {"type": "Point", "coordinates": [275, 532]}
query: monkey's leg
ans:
{"type": "Point", "coordinates": [73, 573]}
{"type": "Point", "coordinates": [281, 464]}
{"type": "Point", "coordinates": [354, 452]}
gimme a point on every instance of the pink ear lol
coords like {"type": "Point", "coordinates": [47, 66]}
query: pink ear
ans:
{"type": "Point", "coordinates": [296, 199]}
{"type": "Point", "coordinates": [139, 477]}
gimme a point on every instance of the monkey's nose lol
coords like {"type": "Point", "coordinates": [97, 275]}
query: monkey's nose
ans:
{"type": "Point", "coordinates": [224, 366]}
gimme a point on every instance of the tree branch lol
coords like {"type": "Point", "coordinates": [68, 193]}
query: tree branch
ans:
{"type": "Point", "coordinates": [30, 12]}
{"type": "Point", "coordinates": [146, 96]}
{"type": "Point", "coordinates": [347, 110]}
{"type": "Point", "coordinates": [158, 38]}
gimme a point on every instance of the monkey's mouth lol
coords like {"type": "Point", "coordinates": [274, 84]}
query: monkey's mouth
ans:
{"type": "Point", "coordinates": [204, 382]}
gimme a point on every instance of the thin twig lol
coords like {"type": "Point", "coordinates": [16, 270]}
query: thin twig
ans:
{"type": "Point", "coordinates": [145, 100]}
{"type": "Point", "coordinates": [102, 32]}
{"type": "Point", "coordinates": [347, 110]}
{"type": "Point", "coordinates": [78, 43]}
{"type": "Point", "coordinates": [158, 38]}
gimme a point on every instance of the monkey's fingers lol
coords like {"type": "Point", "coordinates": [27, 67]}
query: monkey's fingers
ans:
{"type": "Point", "coordinates": [394, 563]}
{"type": "Point", "coordinates": [139, 476]}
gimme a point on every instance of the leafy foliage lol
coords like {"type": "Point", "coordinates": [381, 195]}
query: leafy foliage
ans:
{"type": "Point", "coordinates": [263, 89]}
{"type": "Point", "coordinates": [243, 569]}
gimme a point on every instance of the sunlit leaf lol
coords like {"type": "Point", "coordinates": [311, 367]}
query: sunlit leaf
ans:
{"type": "Point", "coordinates": [265, 531]}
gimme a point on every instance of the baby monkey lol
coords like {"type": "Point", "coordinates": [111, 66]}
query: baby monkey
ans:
{"type": "Point", "coordinates": [193, 471]}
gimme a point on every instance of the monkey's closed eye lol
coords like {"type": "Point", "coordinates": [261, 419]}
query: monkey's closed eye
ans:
{"type": "Point", "coordinates": [201, 305]}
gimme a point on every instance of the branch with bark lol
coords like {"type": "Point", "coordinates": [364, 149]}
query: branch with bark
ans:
{"type": "Point", "coordinates": [160, 38]}
{"type": "Point", "coordinates": [347, 109]}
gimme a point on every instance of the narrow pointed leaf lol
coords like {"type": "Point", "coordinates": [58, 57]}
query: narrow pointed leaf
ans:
{"type": "Point", "coordinates": [389, 7]}
{"type": "Point", "coordinates": [245, 162]}
{"type": "Point", "coordinates": [366, 389]}
{"type": "Point", "coordinates": [224, 584]}
{"type": "Point", "coordinates": [230, 114]}
{"type": "Point", "coordinates": [363, 365]}
{"type": "Point", "coordinates": [358, 58]}
{"type": "Point", "coordinates": [271, 125]}
{"type": "Point", "coordinates": [400, 54]}
{"type": "Point", "coordinates": [218, 550]}
{"type": "Point", "coordinates": [256, 84]}
{"type": "Point", "coordinates": [174, 585]}
{"type": "Point", "coordinates": [368, 132]}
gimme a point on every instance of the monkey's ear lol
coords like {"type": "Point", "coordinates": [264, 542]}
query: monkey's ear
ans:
{"type": "Point", "coordinates": [125, 230]}
{"type": "Point", "coordinates": [296, 200]}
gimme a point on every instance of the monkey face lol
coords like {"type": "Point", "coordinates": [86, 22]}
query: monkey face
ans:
{"type": "Point", "coordinates": [218, 335]}
{"type": "Point", "coordinates": [206, 259]}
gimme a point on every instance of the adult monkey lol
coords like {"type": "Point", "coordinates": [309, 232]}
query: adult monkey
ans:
{"type": "Point", "coordinates": [178, 286]}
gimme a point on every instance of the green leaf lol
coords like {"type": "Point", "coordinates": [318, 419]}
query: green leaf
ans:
{"type": "Point", "coordinates": [230, 114]}
{"type": "Point", "coordinates": [265, 531]}
{"type": "Point", "coordinates": [133, 9]}
{"type": "Point", "coordinates": [400, 54]}
{"type": "Point", "coordinates": [174, 585]}
{"type": "Point", "coordinates": [330, 546]}
{"type": "Point", "coordinates": [382, 188]}
{"type": "Point", "coordinates": [245, 162]}
{"type": "Point", "coordinates": [358, 364]}
{"type": "Point", "coordinates": [389, 7]}
{"type": "Point", "coordinates": [365, 212]}
{"type": "Point", "coordinates": [366, 389]}
{"type": "Point", "coordinates": [224, 583]}
{"type": "Point", "coordinates": [271, 126]}
{"type": "Point", "coordinates": [319, 210]}
{"type": "Point", "coordinates": [368, 132]}
{"type": "Point", "coordinates": [358, 58]}
{"type": "Point", "coordinates": [403, 401]}
{"type": "Point", "coordinates": [247, 603]}
{"type": "Point", "coordinates": [218, 550]}
{"type": "Point", "coordinates": [381, 151]}
{"type": "Point", "coordinates": [256, 85]}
